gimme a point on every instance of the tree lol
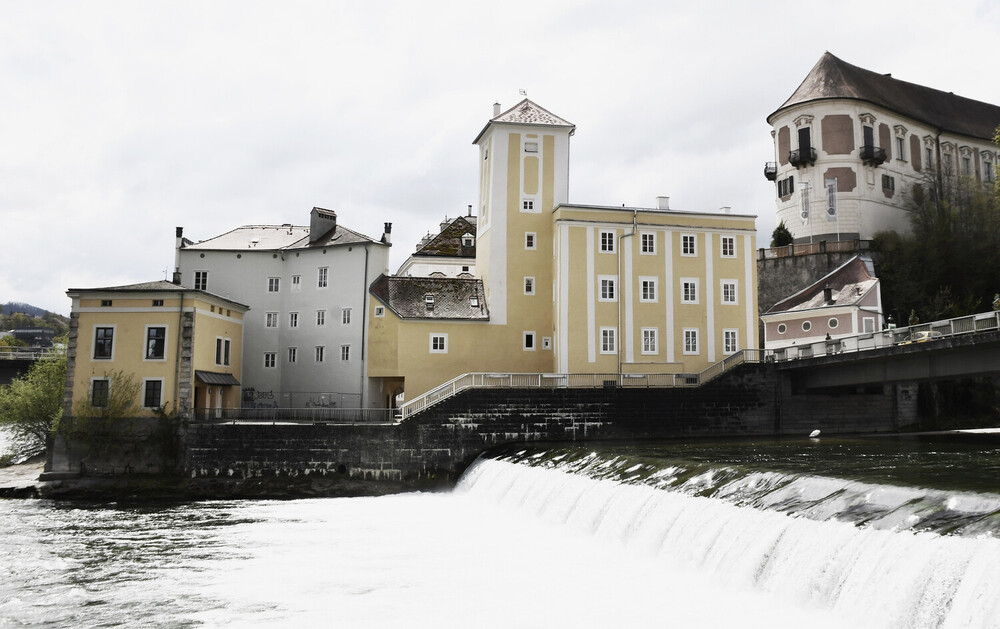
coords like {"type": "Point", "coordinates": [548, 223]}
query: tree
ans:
{"type": "Point", "coordinates": [121, 400]}
{"type": "Point", "coordinates": [781, 237]}
{"type": "Point", "coordinates": [32, 404]}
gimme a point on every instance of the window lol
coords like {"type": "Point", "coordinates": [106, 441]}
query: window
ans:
{"type": "Point", "coordinates": [607, 242]}
{"type": "Point", "coordinates": [900, 148]}
{"type": "Point", "coordinates": [99, 390]}
{"type": "Point", "coordinates": [728, 291]}
{"type": "Point", "coordinates": [888, 182]}
{"type": "Point", "coordinates": [869, 325]}
{"type": "Point", "coordinates": [647, 243]}
{"type": "Point", "coordinates": [786, 187]}
{"type": "Point", "coordinates": [546, 342]}
{"type": "Point", "coordinates": [152, 395]}
{"type": "Point", "coordinates": [273, 283]}
{"type": "Point", "coordinates": [688, 247]}
{"type": "Point", "coordinates": [439, 343]}
{"type": "Point", "coordinates": [529, 286]}
{"type": "Point", "coordinates": [649, 340]}
{"type": "Point", "coordinates": [689, 290]}
{"type": "Point", "coordinates": [529, 240]}
{"type": "Point", "coordinates": [156, 343]}
{"type": "Point", "coordinates": [728, 247]}
{"type": "Point", "coordinates": [345, 316]}
{"type": "Point", "coordinates": [987, 171]}
{"type": "Point", "coordinates": [529, 342]}
{"type": "Point", "coordinates": [296, 281]}
{"type": "Point", "coordinates": [293, 319]}
{"type": "Point", "coordinates": [608, 341]}
{"type": "Point", "coordinates": [379, 311]}
{"type": "Point", "coordinates": [730, 341]}
{"type": "Point", "coordinates": [345, 352]}
{"type": "Point", "coordinates": [320, 353]}
{"type": "Point", "coordinates": [929, 157]}
{"type": "Point", "coordinates": [690, 341]}
{"type": "Point", "coordinates": [429, 301]}
{"type": "Point", "coordinates": [465, 269]}
{"type": "Point", "coordinates": [806, 326]}
{"type": "Point", "coordinates": [293, 354]}
{"type": "Point", "coordinates": [104, 343]}
{"type": "Point", "coordinates": [222, 347]}
{"type": "Point", "coordinates": [966, 166]}
{"type": "Point", "coordinates": [157, 303]}
{"type": "Point", "coordinates": [647, 292]}
{"type": "Point", "coordinates": [527, 205]}
{"type": "Point", "coordinates": [782, 328]}
{"type": "Point", "coordinates": [607, 286]}
{"type": "Point", "coordinates": [269, 359]}
{"type": "Point", "coordinates": [531, 147]}
{"type": "Point", "coordinates": [105, 303]}
{"type": "Point", "coordinates": [201, 280]}
{"type": "Point", "coordinates": [321, 317]}
{"type": "Point", "coordinates": [272, 320]}
{"type": "Point", "coordinates": [321, 277]}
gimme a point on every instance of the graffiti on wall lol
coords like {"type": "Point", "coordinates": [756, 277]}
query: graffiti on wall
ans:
{"type": "Point", "coordinates": [252, 398]}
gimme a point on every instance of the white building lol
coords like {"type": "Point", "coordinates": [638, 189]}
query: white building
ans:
{"type": "Point", "coordinates": [450, 253]}
{"type": "Point", "coordinates": [852, 148]}
{"type": "Point", "coordinates": [307, 288]}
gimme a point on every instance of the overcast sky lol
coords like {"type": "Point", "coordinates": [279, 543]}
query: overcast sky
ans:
{"type": "Point", "coordinates": [122, 120]}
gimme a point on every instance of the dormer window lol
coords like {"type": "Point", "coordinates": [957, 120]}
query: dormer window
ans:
{"type": "Point", "coordinates": [474, 301]}
{"type": "Point", "coordinates": [429, 301]}
{"type": "Point", "coordinates": [468, 240]}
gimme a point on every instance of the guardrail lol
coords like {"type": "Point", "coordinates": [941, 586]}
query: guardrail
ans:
{"type": "Point", "coordinates": [988, 321]}
{"type": "Point", "coordinates": [315, 415]}
{"type": "Point", "coordinates": [27, 353]}
{"type": "Point", "coordinates": [576, 380]}
{"type": "Point", "coordinates": [823, 246]}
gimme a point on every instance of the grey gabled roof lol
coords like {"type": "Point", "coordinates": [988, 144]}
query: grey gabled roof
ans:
{"type": "Point", "coordinates": [527, 112]}
{"type": "Point", "coordinates": [158, 286]}
{"type": "Point", "coordinates": [849, 283]}
{"type": "Point", "coordinates": [449, 242]}
{"type": "Point", "coordinates": [833, 78]}
{"type": "Point", "coordinates": [278, 238]}
{"type": "Point", "coordinates": [452, 297]}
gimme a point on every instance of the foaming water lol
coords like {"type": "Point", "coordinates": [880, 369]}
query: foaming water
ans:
{"type": "Point", "coordinates": [804, 540]}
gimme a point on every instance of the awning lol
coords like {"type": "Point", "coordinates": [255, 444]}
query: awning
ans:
{"type": "Point", "coordinates": [215, 378]}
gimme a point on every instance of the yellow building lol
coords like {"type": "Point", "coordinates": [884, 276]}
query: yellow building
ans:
{"type": "Point", "coordinates": [183, 346]}
{"type": "Point", "coordinates": [567, 288]}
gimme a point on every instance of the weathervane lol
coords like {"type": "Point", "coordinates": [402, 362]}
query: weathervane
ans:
{"type": "Point", "coordinates": [522, 93]}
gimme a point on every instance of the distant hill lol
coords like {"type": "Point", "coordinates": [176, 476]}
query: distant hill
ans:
{"type": "Point", "coordinates": [18, 316]}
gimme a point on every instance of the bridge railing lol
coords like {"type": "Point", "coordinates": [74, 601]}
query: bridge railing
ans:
{"type": "Point", "coordinates": [315, 415]}
{"type": "Point", "coordinates": [969, 324]}
{"type": "Point", "coordinates": [576, 380]}
{"type": "Point", "coordinates": [28, 353]}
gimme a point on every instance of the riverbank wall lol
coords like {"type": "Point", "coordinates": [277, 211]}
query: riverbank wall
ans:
{"type": "Point", "coordinates": [163, 458]}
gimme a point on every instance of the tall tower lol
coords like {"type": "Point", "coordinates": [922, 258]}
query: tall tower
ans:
{"type": "Point", "coordinates": [524, 174]}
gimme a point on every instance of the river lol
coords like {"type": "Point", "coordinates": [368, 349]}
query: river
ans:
{"type": "Point", "coordinates": [880, 532]}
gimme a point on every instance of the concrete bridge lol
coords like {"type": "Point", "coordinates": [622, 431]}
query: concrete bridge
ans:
{"type": "Point", "coordinates": [15, 362]}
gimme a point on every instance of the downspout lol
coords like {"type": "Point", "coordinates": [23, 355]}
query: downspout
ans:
{"type": "Point", "coordinates": [177, 355]}
{"type": "Point", "coordinates": [621, 293]}
{"type": "Point", "coordinates": [364, 317]}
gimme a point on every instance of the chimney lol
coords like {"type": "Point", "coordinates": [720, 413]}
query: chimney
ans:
{"type": "Point", "coordinates": [178, 245]}
{"type": "Point", "coordinates": [663, 203]}
{"type": "Point", "coordinates": [387, 233]}
{"type": "Point", "coordinates": [444, 224]}
{"type": "Point", "coordinates": [321, 223]}
{"type": "Point", "coordinates": [725, 209]}
{"type": "Point", "coordinates": [828, 296]}
{"type": "Point", "coordinates": [496, 109]}
{"type": "Point", "coordinates": [470, 210]}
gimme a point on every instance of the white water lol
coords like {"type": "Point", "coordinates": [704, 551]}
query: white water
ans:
{"type": "Point", "coordinates": [868, 577]}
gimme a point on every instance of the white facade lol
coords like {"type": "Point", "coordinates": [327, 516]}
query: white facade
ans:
{"type": "Point", "coordinates": [305, 332]}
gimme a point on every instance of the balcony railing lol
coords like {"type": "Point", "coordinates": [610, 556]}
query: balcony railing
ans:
{"type": "Point", "coordinates": [872, 155]}
{"type": "Point", "coordinates": [802, 157]}
{"type": "Point", "coordinates": [770, 171]}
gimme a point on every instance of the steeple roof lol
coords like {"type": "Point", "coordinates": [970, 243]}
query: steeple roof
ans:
{"type": "Point", "coordinates": [833, 78]}
{"type": "Point", "coordinates": [527, 112]}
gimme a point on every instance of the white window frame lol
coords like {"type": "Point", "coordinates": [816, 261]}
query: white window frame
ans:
{"type": "Point", "coordinates": [145, 382]}
{"type": "Point", "coordinates": [546, 342]}
{"type": "Point", "coordinates": [320, 318]}
{"type": "Point", "coordinates": [807, 325]}
{"type": "Point", "coordinates": [293, 355]}
{"type": "Point", "coordinates": [692, 281]}
{"type": "Point", "coordinates": [323, 277]}
{"type": "Point", "coordinates": [274, 284]}
{"type": "Point", "coordinates": [296, 282]}
{"type": "Point", "coordinates": [735, 297]}
{"type": "Point", "coordinates": [529, 285]}
{"type": "Point", "coordinates": [145, 344]}
{"type": "Point", "coordinates": [782, 328]}
{"type": "Point", "coordinates": [686, 336]}
{"type": "Point", "coordinates": [606, 241]}
{"type": "Point", "coordinates": [647, 238]}
{"type": "Point", "coordinates": [320, 354]}
{"type": "Point", "coordinates": [651, 282]}
{"type": "Point", "coordinates": [114, 341]}
{"type": "Point", "coordinates": [293, 319]}
{"type": "Point", "coordinates": [531, 146]}
{"type": "Point", "coordinates": [693, 253]}
{"type": "Point", "coordinates": [442, 345]}
{"type": "Point", "coordinates": [529, 205]}
{"type": "Point", "coordinates": [731, 240]}
{"type": "Point", "coordinates": [345, 316]}
{"type": "Point", "coordinates": [868, 325]}
{"type": "Point", "coordinates": [525, 337]}
{"type": "Point", "coordinates": [380, 311]}
{"type": "Point", "coordinates": [271, 320]}
{"type": "Point", "coordinates": [530, 241]}
{"type": "Point", "coordinates": [612, 281]}
{"type": "Point", "coordinates": [609, 334]}
{"type": "Point", "coordinates": [650, 348]}
{"type": "Point", "coordinates": [223, 347]}
{"type": "Point", "coordinates": [727, 335]}
{"type": "Point", "coordinates": [272, 358]}
{"type": "Point", "coordinates": [201, 280]}
{"type": "Point", "coordinates": [345, 353]}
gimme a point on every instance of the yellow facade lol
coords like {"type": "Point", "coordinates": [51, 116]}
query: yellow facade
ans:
{"type": "Point", "coordinates": [161, 336]}
{"type": "Point", "coordinates": [575, 288]}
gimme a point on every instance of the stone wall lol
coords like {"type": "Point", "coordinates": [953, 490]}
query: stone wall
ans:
{"type": "Point", "coordinates": [778, 278]}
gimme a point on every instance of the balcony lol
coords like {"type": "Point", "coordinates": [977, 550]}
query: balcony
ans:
{"type": "Point", "coordinates": [802, 157]}
{"type": "Point", "coordinates": [770, 171]}
{"type": "Point", "coordinates": [872, 155]}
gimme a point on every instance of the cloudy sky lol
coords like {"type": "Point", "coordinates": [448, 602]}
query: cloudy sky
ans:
{"type": "Point", "coordinates": [122, 120]}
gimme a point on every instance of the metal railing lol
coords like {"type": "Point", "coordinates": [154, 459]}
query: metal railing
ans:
{"type": "Point", "coordinates": [28, 353]}
{"type": "Point", "coordinates": [576, 381]}
{"type": "Point", "coordinates": [823, 246]}
{"type": "Point", "coordinates": [315, 415]}
{"type": "Point", "coordinates": [984, 322]}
